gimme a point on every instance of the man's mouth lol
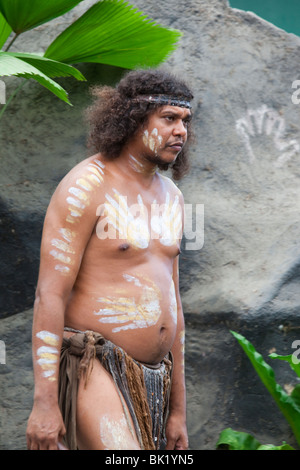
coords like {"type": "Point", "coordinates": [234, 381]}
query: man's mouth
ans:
{"type": "Point", "coordinates": [176, 146]}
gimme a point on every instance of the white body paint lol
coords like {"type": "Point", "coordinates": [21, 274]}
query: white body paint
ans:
{"type": "Point", "coordinates": [48, 355]}
{"type": "Point", "coordinates": [79, 193]}
{"type": "Point", "coordinates": [153, 141]}
{"type": "Point", "coordinates": [61, 245]}
{"type": "Point", "coordinates": [136, 165]}
{"type": "Point", "coordinates": [182, 342]}
{"type": "Point", "coordinates": [268, 121]}
{"type": "Point", "coordinates": [61, 257]}
{"type": "Point", "coordinates": [115, 435]}
{"type": "Point", "coordinates": [173, 303]}
{"type": "Point", "coordinates": [67, 235]}
{"type": "Point", "coordinates": [136, 314]}
{"type": "Point", "coordinates": [133, 228]}
{"type": "Point", "coordinates": [77, 202]}
{"type": "Point", "coordinates": [82, 183]}
{"type": "Point", "coordinates": [48, 338]}
{"type": "Point", "coordinates": [167, 224]}
{"type": "Point", "coordinates": [131, 223]}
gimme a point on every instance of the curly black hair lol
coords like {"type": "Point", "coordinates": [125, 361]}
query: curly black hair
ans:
{"type": "Point", "coordinates": [115, 116]}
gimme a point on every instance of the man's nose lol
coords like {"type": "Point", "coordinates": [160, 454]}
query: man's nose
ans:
{"type": "Point", "coordinates": [180, 129]}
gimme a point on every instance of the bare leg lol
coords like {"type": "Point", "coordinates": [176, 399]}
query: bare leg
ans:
{"type": "Point", "coordinates": [101, 421]}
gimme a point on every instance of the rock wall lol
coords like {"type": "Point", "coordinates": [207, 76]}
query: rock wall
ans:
{"type": "Point", "coordinates": [245, 171]}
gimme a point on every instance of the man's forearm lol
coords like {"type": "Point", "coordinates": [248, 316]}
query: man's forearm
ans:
{"type": "Point", "coordinates": [176, 431]}
{"type": "Point", "coordinates": [178, 390]}
{"type": "Point", "coordinates": [46, 344]}
{"type": "Point", "coordinates": [45, 424]}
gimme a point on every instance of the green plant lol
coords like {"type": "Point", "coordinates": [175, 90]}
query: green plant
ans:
{"type": "Point", "coordinates": [237, 440]}
{"type": "Point", "coordinates": [289, 405]}
{"type": "Point", "coordinates": [110, 32]}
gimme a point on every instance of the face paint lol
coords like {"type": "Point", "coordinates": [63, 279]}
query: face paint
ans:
{"type": "Point", "coordinates": [140, 313]}
{"type": "Point", "coordinates": [48, 355]}
{"type": "Point", "coordinates": [153, 141]}
{"type": "Point", "coordinates": [115, 435]}
{"type": "Point", "coordinates": [167, 225]}
{"type": "Point", "coordinates": [134, 229]}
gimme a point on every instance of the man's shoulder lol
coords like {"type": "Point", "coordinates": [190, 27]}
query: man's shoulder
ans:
{"type": "Point", "coordinates": [81, 186]}
{"type": "Point", "coordinates": [86, 175]}
{"type": "Point", "coordinates": [170, 186]}
{"type": "Point", "coordinates": [90, 165]}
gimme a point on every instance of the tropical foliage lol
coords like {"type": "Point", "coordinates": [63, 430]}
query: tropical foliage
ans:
{"type": "Point", "coordinates": [289, 404]}
{"type": "Point", "coordinates": [237, 440]}
{"type": "Point", "coordinates": [110, 32]}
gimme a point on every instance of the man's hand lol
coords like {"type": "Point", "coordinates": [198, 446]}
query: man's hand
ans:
{"type": "Point", "coordinates": [45, 428]}
{"type": "Point", "coordinates": [176, 433]}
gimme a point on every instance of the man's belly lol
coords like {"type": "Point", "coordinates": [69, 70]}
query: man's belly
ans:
{"type": "Point", "coordinates": [138, 314]}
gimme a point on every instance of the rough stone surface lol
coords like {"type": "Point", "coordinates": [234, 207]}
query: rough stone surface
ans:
{"type": "Point", "coordinates": [245, 170]}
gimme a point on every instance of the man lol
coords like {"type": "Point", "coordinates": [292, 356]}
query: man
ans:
{"type": "Point", "coordinates": [107, 303]}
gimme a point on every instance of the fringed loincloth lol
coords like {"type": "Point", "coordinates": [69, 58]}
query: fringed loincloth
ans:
{"type": "Point", "coordinates": [145, 389]}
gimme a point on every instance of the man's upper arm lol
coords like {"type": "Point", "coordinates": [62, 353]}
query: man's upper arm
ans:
{"type": "Point", "coordinates": [69, 223]}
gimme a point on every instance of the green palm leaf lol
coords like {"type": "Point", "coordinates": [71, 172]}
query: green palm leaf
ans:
{"type": "Point", "coordinates": [286, 403]}
{"type": "Point", "coordinates": [5, 30]}
{"type": "Point", "coordinates": [114, 33]}
{"type": "Point", "coordinates": [49, 67]}
{"type": "Point", "coordinates": [38, 68]}
{"type": "Point", "coordinates": [23, 15]}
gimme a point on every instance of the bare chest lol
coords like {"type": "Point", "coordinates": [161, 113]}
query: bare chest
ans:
{"type": "Point", "coordinates": [142, 223]}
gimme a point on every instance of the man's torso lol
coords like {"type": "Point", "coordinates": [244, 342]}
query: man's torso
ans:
{"type": "Point", "coordinates": [124, 288]}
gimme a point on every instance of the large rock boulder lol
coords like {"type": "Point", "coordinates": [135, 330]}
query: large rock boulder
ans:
{"type": "Point", "coordinates": [245, 171]}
